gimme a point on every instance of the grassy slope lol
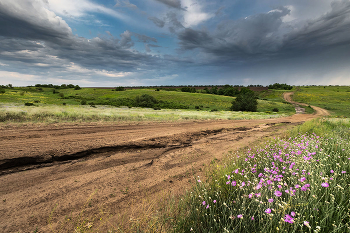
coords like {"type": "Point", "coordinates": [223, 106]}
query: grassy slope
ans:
{"type": "Point", "coordinates": [336, 99]}
{"type": "Point", "coordinates": [205, 101]}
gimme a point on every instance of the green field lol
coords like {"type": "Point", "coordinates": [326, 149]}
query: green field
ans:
{"type": "Point", "coordinates": [336, 99]}
{"type": "Point", "coordinates": [51, 105]}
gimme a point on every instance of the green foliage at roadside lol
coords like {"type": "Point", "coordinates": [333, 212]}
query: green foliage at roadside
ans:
{"type": "Point", "coordinates": [295, 184]}
{"type": "Point", "coordinates": [336, 99]}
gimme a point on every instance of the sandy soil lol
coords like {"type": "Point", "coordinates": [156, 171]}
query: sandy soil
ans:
{"type": "Point", "coordinates": [52, 175]}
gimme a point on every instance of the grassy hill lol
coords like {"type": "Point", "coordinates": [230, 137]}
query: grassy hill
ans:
{"type": "Point", "coordinates": [96, 96]}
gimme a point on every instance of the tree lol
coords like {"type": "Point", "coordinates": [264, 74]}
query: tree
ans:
{"type": "Point", "coordinates": [245, 101]}
{"type": "Point", "coordinates": [145, 101]}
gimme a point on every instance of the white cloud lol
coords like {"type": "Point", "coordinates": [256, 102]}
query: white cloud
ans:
{"type": "Point", "coordinates": [194, 14]}
{"type": "Point", "coordinates": [79, 8]}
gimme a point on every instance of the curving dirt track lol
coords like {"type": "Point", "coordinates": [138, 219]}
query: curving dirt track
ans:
{"type": "Point", "coordinates": [49, 174]}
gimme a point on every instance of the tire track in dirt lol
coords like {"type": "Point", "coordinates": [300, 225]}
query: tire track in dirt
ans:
{"type": "Point", "coordinates": [126, 164]}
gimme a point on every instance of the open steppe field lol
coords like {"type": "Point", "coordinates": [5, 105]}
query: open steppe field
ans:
{"type": "Point", "coordinates": [130, 176]}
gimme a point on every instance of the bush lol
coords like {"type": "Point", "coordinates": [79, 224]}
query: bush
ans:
{"type": "Point", "coordinates": [77, 87]}
{"type": "Point", "coordinates": [28, 104]}
{"type": "Point", "coordinates": [245, 101]}
{"type": "Point", "coordinates": [83, 102]}
{"type": "Point", "coordinates": [119, 89]}
{"type": "Point", "coordinates": [145, 101]}
{"type": "Point", "coordinates": [275, 110]}
{"type": "Point", "coordinates": [61, 95]}
{"type": "Point", "coordinates": [2, 91]}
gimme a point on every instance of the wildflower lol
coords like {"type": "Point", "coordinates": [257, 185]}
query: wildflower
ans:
{"type": "Point", "coordinates": [207, 207]}
{"type": "Point", "coordinates": [343, 172]}
{"type": "Point", "coordinates": [233, 183]}
{"type": "Point", "coordinates": [292, 213]}
{"type": "Point", "coordinates": [332, 171]}
{"type": "Point", "coordinates": [268, 211]}
{"type": "Point", "coordinates": [252, 218]}
{"type": "Point", "coordinates": [325, 184]}
{"type": "Point", "coordinates": [203, 203]}
{"type": "Point", "coordinates": [306, 223]}
{"type": "Point", "coordinates": [270, 200]}
{"type": "Point", "coordinates": [302, 179]}
{"type": "Point", "coordinates": [240, 216]}
{"type": "Point", "coordinates": [214, 201]}
{"type": "Point", "coordinates": [288, 219]}
{"type": "Point", "coordinates": [199, 181]}
{"type": "Point", "coordinates": [250, 195]}
{"type": "Point", "coordinates": [278, 193]}
{"type": "Point", "coordinates": [258, 194]}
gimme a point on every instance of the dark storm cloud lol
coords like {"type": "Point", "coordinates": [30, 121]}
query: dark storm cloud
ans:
{"type": "Point", "coordinates": [266, 36]}
{"type": "Point", "coordinates": [172, 3]}
{"type": "Point", "coordinates": [148, 49]}
{"type": "Point", "coordinates": [29, 20]}
{"type": "Point", "coordinates": [237, 39]}
{"type": "Point", "coordinates": [31, 34]}
{"type": "Point", "coordinates": [144, 38]}
{"type": "Point", "coordinates": [329, 30]}
{"type": "Point", "coordinates": [158, 22]}
{"type": "Point", "coordinates": [171, 17]}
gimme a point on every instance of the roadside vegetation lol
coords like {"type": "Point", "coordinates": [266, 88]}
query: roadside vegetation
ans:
{"type": "Point", "coordinates": [335, 99]}
{"type": "Point", "coordinates": [298, 183]}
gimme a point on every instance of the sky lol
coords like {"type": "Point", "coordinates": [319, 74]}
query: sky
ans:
{"type": "Point", "coordinates": [113, 43]}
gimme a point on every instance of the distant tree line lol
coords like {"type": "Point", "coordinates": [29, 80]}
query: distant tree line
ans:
{"type": "Point", "coordinates": [63, 86]}
{"type": "Point", "coordinates": [278, 86]}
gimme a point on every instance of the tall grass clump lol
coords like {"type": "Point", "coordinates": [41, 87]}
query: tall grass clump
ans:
{"type": "Point", "coordinates": [296, 184]}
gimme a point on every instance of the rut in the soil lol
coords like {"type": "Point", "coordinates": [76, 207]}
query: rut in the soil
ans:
{"type": "Point", "coordinates": [168, 143]}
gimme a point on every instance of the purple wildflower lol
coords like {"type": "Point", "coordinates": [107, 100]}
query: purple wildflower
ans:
{"type": "Point", "coordinates": [270, 200]}
{"type": "Point", "coordinates": [325, 184]}
{"type": "Point", "coordinates": [239, 216]}
{"type": "Point", "coordinates": [207, 206]}
{"type": "Point", "coordinates": [278, 193]}
{"type": "Point", "coordinates": [214, 201]}
{"type": "Point", "coordinates": [268, 211]}
{"type": "Point", "coordinates": [288, 219]}
{"type": "Point", "coordinates": [203, 203]}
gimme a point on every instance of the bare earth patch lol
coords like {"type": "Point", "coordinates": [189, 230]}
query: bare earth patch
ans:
{"type": "Point", "coordinates": [51, 175]}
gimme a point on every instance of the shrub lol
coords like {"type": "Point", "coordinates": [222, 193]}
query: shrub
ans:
{"type": "Point", "coordinates": [36, 101]}
{"type": "Point", "coordinates": [275, 110]}
{"type": "Point", "coordinates": [28, 104]}
{"type": "Point", "coordinates": [119, 89]}
{"type": "Point", "coordinates": [145, 101]}
{"type": "Point", "coordinates": [61, 95]}
{"type": "Point", "coordinates": [245, 101]}
{"type": "Point", "coordinates": [77, 87]}
{"type": "Point", "coordinates": [64, 104]}
{"type": "Point", "coordinates": [2, 91]}
{"type": "Point", "coordinates": [83, 102]}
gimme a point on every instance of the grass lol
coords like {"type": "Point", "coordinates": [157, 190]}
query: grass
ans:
{"type": "Point", "coordinates": [79, 113]}
{"type": "Point", "coordinates": [176, 99]}
{"type": "Point", "coordinates": [336, 99]}
{"type": "Point", "coordinates": [296, 184]}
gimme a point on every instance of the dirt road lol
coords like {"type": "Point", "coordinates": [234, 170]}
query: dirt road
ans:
{"type": "Point", "coordinates": [53, 176]}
